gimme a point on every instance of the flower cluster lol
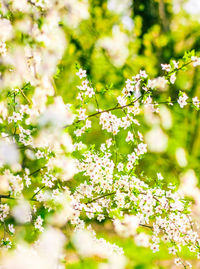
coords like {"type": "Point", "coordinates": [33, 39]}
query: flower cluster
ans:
{"type": "Point", "coordinates": [50, 177]}
{"type": "Point", "coordinates": [112, 190]}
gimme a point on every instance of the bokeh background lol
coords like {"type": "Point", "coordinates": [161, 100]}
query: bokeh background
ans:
{"type": "Point", "coordinates": [113, 40]}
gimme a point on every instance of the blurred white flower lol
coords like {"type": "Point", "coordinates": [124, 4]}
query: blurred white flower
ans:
{"type": "Point", "coordinates": [66, 164]}
{"type": "Point", "coordinates": [88, 245]}
{"type": "Point", "coordinates": [45, 254]}
{"type": "Point", "coordinates": [6, 30]}
{"type": "Point", "coordinates": [128, 22]}
{"type": "Point", "coordinates": [22, 212]}
{"type": "Point", "coordinates": [56, 114]}
{"type": "Point", "coordinates": [20, 72]}
{"type": "Point", "coordinates": [21, 5]}
{"type": "Point", "coordinates": [116, 46]}
{"type": "Point", "coordinates": [4, 183]}
{"type": "Point", "coordinates": [9, 153]}
{"type": "Point", "coordinates": [159, 83]}
{"type": "Point", "coordinates": [51, 244]}
{"type": "Point", "coordinates": [181, 157]}
{"type": "Point", "coordinates": [188, 187]}
{"type": "Point", "coordinates": [119, 6]}
{"type": "Point", "coordinates": [192, 7]}
{"type": "Point", "coordinates": [77, 11]}
{"type": "Point", "coordinates": [128, 226]}
{"type": "Point", "coordinates": [159, 176]}
{"type": "Point", "coordinates": [156, 140]}
{"type": "Point", "coordinates": [62, 215]}
{"type": "Point", "coordinates": [114, 262]}
{"type": "Point", "coordinates": [166, 118]}
{"type": "Point", "coordinates": [142, 239]}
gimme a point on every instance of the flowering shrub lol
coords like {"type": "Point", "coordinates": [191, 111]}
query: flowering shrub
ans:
{"type": "Point", "coordinates": [53, 185]}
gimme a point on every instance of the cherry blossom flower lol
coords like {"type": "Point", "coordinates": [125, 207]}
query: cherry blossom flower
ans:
{"type": "Point", "coordinates": [182, 100]}
{"type": "Point", "coordinates": [81, 73]}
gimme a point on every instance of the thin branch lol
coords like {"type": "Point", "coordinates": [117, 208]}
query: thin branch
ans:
{"type": "Point", "coordinates": [146, 226]}
{"type": "Point", "coordinates": [96, 102]}
{"type": "Point", "coordinates": [177, 69]}
{"type": "Point", "coordinates": [36, 171]}
{"type": "Point", "coordinates": [114, 108]}
{"type": "Point", "coordinates": [7, 197]}
{"type": "Point", "coordinates": [99, 197]}
{"type": "Point", "coordinates": [37, 192]}
{"type": "Point", "coordinates": [2, 196]}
